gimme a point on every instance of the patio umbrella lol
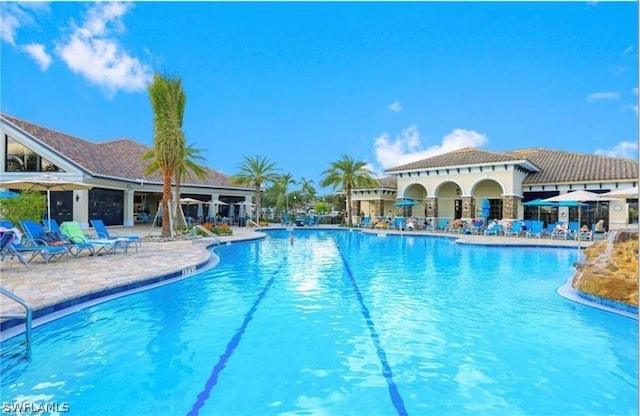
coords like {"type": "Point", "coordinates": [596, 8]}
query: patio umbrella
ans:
{"type": "Point", "coordinates": [628, 193]}
{"type": "Point", "coordinates": [485, 209]}
{"type": "Point", "coordinates": [47, 183]}
{"type": "Point", "coordinates": [8, 195]}
{"type": "Point", "coordinates": [575, 197]}
{"type": "Point", "coordinates": [406, 203]}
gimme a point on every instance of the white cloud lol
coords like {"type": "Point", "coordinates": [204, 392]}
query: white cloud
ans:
{"type": "Point", "coordinates": [628, 50]}
{"type": "Point", "coordinates": [15, 15]}
{"type": "Point", "coordinates": [635, 90]}
{"type": "Point", "coordinates": [395, 107]}
{"type": "Point", "coordinates": [624, 149]}
{"type": "Point", "coordinates": [39, 54]}
{"type": "Point", "coordinates": [597, 96]}
{"type": "Point", "coordinates": [407, 147]}
{"type": "Point", "coordinates": [93, 51]}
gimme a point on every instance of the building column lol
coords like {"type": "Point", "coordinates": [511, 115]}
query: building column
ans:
{"type": "Point", "coordinates": [432, 207]}
{"type": "Point", "coordinates": [127, 208]}
{"type": "Point", "coordinates": [467, 207]}
{"type": "Point", "coordinates": [510, 207]}
{"type": "Point", "coordinates": [81, 207]}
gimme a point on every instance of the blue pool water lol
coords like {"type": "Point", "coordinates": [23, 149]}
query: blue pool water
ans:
{"type": "Point", "coordinates": [341, 323]}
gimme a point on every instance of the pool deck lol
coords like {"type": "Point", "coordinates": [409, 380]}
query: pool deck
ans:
{"type": "Point", "coordinates": [60, 283]}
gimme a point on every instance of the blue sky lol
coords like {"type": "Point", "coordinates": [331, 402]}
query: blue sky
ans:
{"type": "Point", "coordinates": [303, 83]}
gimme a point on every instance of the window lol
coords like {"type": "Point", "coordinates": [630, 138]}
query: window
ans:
{"type": "Point", "coordinates": [106, 205]}
{"type": "Point", "coordinates": [20, 158]}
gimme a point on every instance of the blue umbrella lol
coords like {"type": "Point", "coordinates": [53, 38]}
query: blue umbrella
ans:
{"type": "Point", "coordinates": [485, 208]}
{"type": "Point", "coordinates": [406, 203]}
{"type": "Point", "coordinates": [8, 194]}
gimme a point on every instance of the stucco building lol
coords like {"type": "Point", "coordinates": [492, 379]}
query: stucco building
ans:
{"type": "Point", "coordinates": [120, 192]}
{"type": "Point", "coordinates": [453, 185]}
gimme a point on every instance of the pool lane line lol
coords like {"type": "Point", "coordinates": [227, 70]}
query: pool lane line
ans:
{"type": "Point", "coordinates": [396, 399]}
{"type": "Point", "coordinates": [231, 346]}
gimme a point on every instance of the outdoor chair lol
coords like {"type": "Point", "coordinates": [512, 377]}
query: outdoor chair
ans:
{"type": "Point", "coordinates": [37, 233]}
{"type": "Point", "coordinates": [102, 232]}
{"type": "Point", "coordinates": [74, 231]}
{"type": "Point", "coordinates": [6, 247]}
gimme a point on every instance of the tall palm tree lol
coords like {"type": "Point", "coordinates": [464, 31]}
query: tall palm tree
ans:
{"type": "Point", "coordinates": [307, 189]}
{"type": "Point", "coordinates": [187, 163]}
{"type": "Point", "coordinates": [168, 102]}
{"type": "Point", "coordinates": [348, 174]}
{"type": "Point", "coordinates": [284, 181]}
{"type": "Point", "coordinates": [256, 171]}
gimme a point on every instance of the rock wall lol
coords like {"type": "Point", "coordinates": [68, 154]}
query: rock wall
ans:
{"type": "Point", "coordinates": [610, 268]}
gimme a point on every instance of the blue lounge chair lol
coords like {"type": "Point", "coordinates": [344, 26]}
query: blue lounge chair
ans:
{"type": "Point", "coordinates": [535, 229]}
{"type": "Point", "coordinates": [6, 247]}
{"type": "Point", "coordinates": [102, 232]}
{"type": "Point", "coordinates": [515, 229]}
{"type": "Point", "coordinates": [442, 224]}
{"type": "Point", "coordinates": [493, 229]}
{"type": "Point", "coordinates": [37, 233]}
{"type": "Point", "coordinates": [32, 247]}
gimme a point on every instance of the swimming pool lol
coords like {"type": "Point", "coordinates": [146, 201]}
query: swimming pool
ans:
{"type": "Point", "coordinates": [342, 323]}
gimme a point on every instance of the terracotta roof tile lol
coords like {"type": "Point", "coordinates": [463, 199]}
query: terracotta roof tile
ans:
{"type": "Point", "coordinates": [120, 158]}
{"type": "Point", "coordinates": [555, 166]}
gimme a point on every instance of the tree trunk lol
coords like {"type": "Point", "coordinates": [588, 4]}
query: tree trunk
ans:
{"type": "Point", "coordinates": [166, 210]}
{"type": "Point", "coordinates": [348, 208]}
{"type": "Point", "coordinates": [258, 202]}
{"type": "Point", "coordinates": [179, 220]}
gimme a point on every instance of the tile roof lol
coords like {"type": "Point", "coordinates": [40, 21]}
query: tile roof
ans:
{"type": "Point", "coordinates": [560, 167]}
{"type": "Point", "coordinates": [555, 166]}
{"type": "Point", "coordinates": [462, 157]}
{"type": "Point", "coordinates": [120, 158]}
{"type": "Point", "coordinates": [388, 182]}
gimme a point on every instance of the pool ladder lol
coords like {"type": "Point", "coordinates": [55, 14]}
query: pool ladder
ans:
{"type": "Point", "coordinates": [26, 316]}
{"type": "Point", "coordinates": [194, 234]}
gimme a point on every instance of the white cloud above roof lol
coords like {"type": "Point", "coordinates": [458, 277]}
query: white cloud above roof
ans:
{"type": "Point", "coordinates": [93, 50]}
{"type": "Point", "coordinates": [599, 96]}
{"type": "Point", "coordinates": [407, 147]}
{"type": "Point", "coordinates": [395, 107]}
{"type": "Point", "coordinates": [624, 149]}
{"type": "Point", "coordinates": [16, 15]}
{"type": "Point", "coordinates": [39, 54]}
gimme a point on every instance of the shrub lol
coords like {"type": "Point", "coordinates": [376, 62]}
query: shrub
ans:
{"type": "Point", "coordinates": [29, 205]}
{"type": "Point", "coordinates": [223, 229]}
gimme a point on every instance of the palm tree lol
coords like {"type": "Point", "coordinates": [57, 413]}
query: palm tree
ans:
{"type": "Point", "coordinates": [308, 190]}
{"type": "Point", "coordinates": [188, 163]}
{"type": "Point", "coordinates": [168, 102]}
{"type": "Point", "coordinates": [284, 181]}
{"type": "Point", "coordinates": [348, 174]}
{"type": "Point", "coordinates": [255, 171]}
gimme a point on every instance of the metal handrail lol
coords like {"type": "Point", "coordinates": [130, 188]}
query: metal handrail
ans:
{"type": "Point", "coordinates": [27, 315]}
{"type": "Point", "coordinates": [207, 232]}
{"type": "Point", "coordinates": [255, 224]}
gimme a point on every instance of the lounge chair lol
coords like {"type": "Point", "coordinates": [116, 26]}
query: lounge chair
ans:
{"type": "Point", "coordinates": [493, 229]}
{"type": "Point", "coordinates": [442, 224]}
{"type": "Point", "coordinates": [535, 229]}
{"type": "Point", "coordinates": [74, 231]}
{"type": "Point", "coordinates": [37, 233]}
{"type": "Point", "coordinates": [33, 248]}
{"type": "Point", "coordinates": [102, 232]}
{"type": "Point", "coordinates": [6, 247]}
{"type": "Point", "coordinates": [515, 229]}
{"type": "Point", "coordinates": [559, 233]}
{"type": "Point", "coordinates": [74, 244]}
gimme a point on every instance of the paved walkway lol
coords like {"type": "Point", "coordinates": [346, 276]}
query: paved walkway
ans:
{"type": "Point", "coordinates": [44, 285]}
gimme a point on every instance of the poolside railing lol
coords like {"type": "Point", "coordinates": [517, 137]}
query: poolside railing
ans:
{"type": "Point", "coordinates": [208, 233]}
{"type": "Point", "coordinates": [26, 316]}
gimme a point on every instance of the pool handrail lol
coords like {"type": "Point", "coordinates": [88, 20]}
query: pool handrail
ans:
{"type": "Point", "coordinates": [27, 316]}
